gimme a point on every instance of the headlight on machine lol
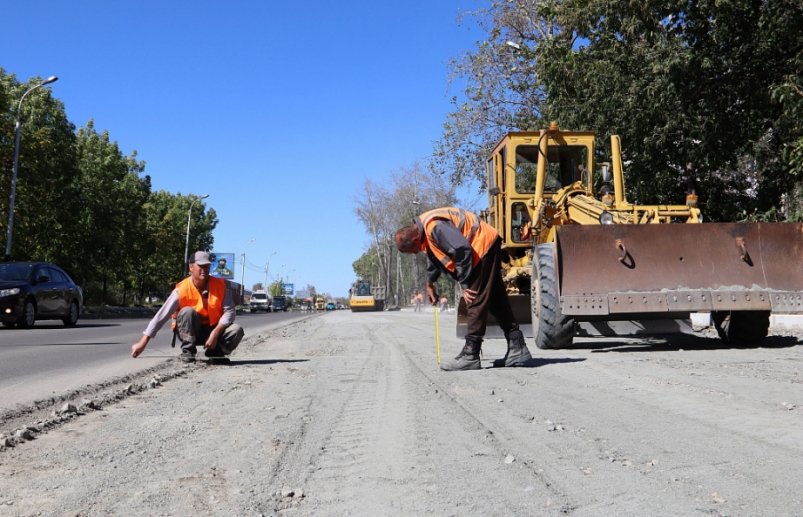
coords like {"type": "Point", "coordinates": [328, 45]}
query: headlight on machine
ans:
{"type": "Point", "coordinates": [9, 292]}
{"type": "Point", "coordinates": [605, 218]}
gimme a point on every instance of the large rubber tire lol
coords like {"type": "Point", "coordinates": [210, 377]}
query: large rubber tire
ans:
{"type": "Point", "coordinates": [72, 317]}
{"type": "Point", "coordinates": [28, 315]}
{"type": "Point", "coordinates": [551, 328]}
{"type": "Point", "coordinates": [747, 328]}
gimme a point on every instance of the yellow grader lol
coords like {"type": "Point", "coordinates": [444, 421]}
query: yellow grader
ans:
{"type": "Point", "coordinates": [577, 251]}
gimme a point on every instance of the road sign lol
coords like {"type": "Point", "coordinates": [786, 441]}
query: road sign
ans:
{"type": "Point", "coordinates": [288, 289]}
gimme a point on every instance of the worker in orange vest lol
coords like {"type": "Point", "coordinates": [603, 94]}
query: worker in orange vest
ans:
{"type": "Point", "coordinates": [204, 311]}
{"type": "Point", "coordinates": [459, 243]}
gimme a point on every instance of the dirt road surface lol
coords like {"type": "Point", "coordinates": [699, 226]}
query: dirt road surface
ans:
{"type": "Point", "coordinates": [348, 414]}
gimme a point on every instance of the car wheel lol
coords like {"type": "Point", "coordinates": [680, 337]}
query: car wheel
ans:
{"type": "Point", "coordinates": [72, 317]}
{"type": "Point", "coordinates": [9, 324]}
{"type": "Point", "coordinates": [28, 315]}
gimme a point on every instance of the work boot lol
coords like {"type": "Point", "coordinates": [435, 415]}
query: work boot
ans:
{"type": "Point", "coordinates": [188, 351]}
{"type": "Point", "coordinates": [517, 353]}
{"type": "Point", "coordinates": [468, 358]}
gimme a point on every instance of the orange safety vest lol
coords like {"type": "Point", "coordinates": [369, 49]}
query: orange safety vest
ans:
{"type": "Point", "coordinates": [480, 234]}
{"type": "Point", "coordinates": [189, 296]}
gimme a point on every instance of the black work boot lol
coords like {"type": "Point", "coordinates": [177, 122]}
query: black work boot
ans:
{"type": "Point", "coordinates": [517, 353]}
{"type": "Point", "coordinates": [468, 358]}
{"type": "Point", "coordinates": [187, 354]}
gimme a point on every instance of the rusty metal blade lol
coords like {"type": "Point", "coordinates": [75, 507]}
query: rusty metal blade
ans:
{"type": "Point", "coordinates": [626, 269]}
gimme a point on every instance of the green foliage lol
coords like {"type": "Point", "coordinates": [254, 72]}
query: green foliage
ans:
{"type": "Point", "coordinates": [276, 288]}
{"type": "Point", "coordinates": [84, 205]}
{"type": "Point", "coordinates": [44, 205]}
{"type": "Point", "coordinates": [109, 193]}
{"type": "Point", "coordinates": [165, 222]}
{"type": "Point", "coordinates": [705, 95]}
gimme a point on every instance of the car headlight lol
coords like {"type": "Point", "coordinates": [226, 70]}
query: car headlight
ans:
{"type": "Point", "coordinates": [605, 218]}
{"type": "Point", "coordinates": [9, 292]}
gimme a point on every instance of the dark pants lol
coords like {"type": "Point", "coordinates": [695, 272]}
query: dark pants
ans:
{"type": "Point", "coordinates": [491, 296]}
{"type": "Point", "coordinates": [193, 333]}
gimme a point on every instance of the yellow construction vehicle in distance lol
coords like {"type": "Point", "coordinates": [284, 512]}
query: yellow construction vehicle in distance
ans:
{"type": "Point", "coordinates": [363, 297]}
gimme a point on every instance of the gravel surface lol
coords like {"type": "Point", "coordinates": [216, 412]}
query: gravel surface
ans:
{"type": "Point", "coordinates": [347, 414]}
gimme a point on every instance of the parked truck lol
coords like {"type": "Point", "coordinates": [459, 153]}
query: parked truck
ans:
{"type": "Point", "coordinates": [576, 250]}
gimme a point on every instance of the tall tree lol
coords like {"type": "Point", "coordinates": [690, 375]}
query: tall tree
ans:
{"type": "Point", "coordinates": [385, 209]}
{"type": "Point", "coordinates": [110, 195]}
{"type": "Point", "coordinates": [165, 219]}
{"type": "Point", "coordinates": [699, 91]}
{"type": "Point", "coordinates": [44, 205]}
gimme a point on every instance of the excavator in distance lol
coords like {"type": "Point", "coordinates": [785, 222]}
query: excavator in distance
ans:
{"type": "Point", "coordinates": [577, 251]}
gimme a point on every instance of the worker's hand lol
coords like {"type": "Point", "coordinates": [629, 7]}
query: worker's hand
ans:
{"type": "Point", "coordinates": [432, 294]}
{"type": "Point", "coordinates": [469, 295]}
{"type": "Point", "coordinates": [139, 346]}
{"type": "Point", "coordinates": [211, 341]}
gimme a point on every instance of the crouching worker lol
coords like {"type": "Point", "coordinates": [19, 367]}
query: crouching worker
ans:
{"type": "Point", "coordinates": [204, 312]}
{"type": "Point", "coordinates": [458, 242]}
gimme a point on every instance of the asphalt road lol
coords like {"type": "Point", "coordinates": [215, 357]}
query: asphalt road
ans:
{"type": "Point", "coordinates": [51, 359]}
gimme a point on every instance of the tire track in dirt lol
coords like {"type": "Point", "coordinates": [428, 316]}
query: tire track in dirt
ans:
{"type": "Point", "coordinates": [359, 435]}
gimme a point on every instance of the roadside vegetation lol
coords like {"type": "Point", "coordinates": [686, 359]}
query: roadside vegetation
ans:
{"type": "Point", "coordinates": [707, 97]}
{"type": "Point", "coordinates": [83, 204]}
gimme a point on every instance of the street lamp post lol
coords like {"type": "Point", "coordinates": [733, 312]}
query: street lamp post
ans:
{"type": "Point", "coordinates": [10, 229]}
{"type": "Point", "coordinates": [242, 274]}
{"type": "Point", "coordinates": [187, 240]}
{"type": "Point", "coordinates": [267, 269]}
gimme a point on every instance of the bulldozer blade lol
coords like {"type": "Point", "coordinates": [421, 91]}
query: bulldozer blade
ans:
{"type": "Point", "coordinates": [611, 272]}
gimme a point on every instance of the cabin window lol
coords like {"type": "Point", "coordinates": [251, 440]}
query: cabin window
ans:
{"type": "Point", "coordinates": [526, 164]}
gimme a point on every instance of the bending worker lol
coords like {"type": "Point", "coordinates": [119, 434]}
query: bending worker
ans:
{"type": "Point", "coordinates": [204, 311]}
{"type": "Point", "coordinates": [458, 242]}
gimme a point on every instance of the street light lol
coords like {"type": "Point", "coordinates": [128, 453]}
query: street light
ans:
{"type": "Point", "coordinates": [267, 269]}
{"type": "Point", "coordinates": [242, 274]}
{"type": "Point", "coordinates": [187, 240]}
{"type": "Point", "coordinates": [10, 229]}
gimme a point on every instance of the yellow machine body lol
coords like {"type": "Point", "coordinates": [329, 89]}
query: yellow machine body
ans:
{"type": "Point", "coordinates": [572, 240]}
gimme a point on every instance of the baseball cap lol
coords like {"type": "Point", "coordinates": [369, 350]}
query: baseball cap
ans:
{"type": "Point", "coordinates": [201, 258]}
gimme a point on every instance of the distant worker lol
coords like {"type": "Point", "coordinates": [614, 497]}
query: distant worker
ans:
{"type": "Point", "coordinates": [458, 242]}
{"type": "Point", "coordinates": [444, 304]}
{"type": "Point", "coordinates": [204, 313]}
{"type": "Point", "coordinates": [222, 270]}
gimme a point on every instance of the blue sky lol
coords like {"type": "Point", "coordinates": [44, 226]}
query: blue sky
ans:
{"type": "Point", "coordinates": [278, 110]}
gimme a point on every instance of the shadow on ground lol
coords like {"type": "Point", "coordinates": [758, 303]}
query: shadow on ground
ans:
{"type": "Point", "coordinates": [682, 342]}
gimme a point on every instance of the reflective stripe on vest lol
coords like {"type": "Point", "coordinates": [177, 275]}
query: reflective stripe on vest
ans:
{"type": "Point", "coordinates": [481, 236]}
{"type": "Point", "coordinates": [189, 296]}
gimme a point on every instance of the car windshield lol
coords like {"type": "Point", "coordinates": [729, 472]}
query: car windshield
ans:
{"type": "Point", "coordinates": [259, 296]}
{"type": "Point", "coordinates": [15, 271]}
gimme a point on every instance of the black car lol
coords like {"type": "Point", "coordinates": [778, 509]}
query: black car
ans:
{"type": "Point", "coordinates": [31, 291]}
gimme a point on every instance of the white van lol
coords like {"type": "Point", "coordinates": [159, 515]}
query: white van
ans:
{"type": "Point", "coordinates": [259, 301]}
